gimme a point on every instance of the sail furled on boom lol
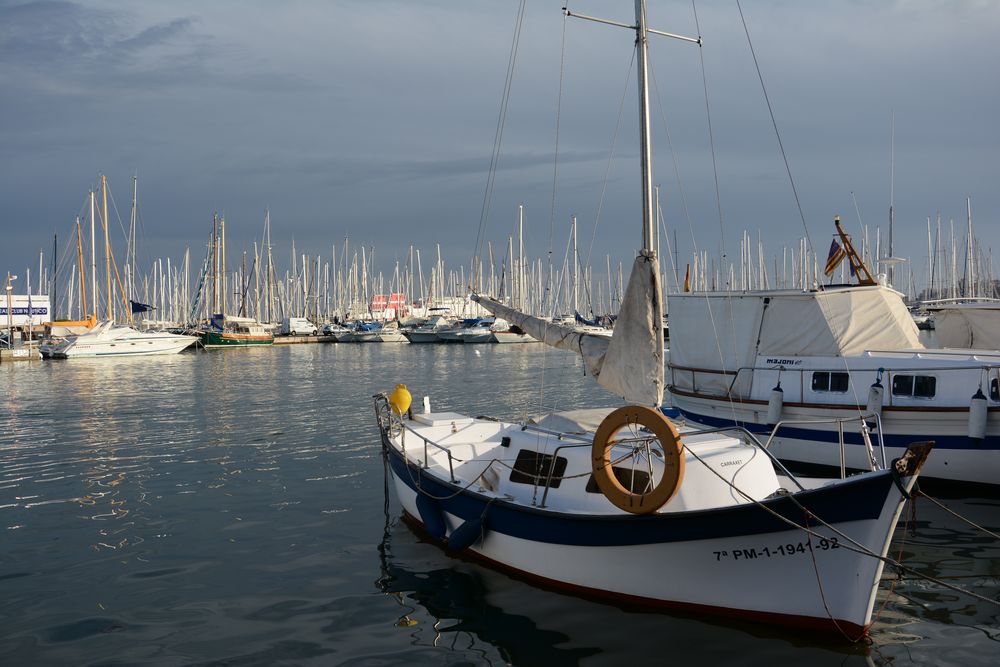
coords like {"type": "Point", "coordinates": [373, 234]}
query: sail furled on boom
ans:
{"type": "Point", "coordinates": [629, 363]}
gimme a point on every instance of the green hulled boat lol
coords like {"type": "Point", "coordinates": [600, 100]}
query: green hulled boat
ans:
{"type": "Point", "coordinates": [235, 332]}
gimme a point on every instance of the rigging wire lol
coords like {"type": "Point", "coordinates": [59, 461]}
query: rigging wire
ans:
{"type": "Point", "coordinates": [611, 156]}
{"type": "Point", "coordinates": [777, 134]}
{"type": "Point", "coordinates": [498, 136]}
{"type": "Point", "coordinates": [555, 156]}
{"type": "Point", "coordinates": [673, 154]}
{"type": "Point", "coordinates": [711, 141]}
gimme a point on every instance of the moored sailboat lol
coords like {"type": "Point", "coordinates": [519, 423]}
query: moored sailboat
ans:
{"type": "Point", "coordinates": [228, 331]}
{"type": "Point", "coordinates": [601, 501]}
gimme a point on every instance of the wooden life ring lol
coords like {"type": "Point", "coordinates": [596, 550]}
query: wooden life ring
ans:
{"type": "Point", "coordinates": [673, 459]}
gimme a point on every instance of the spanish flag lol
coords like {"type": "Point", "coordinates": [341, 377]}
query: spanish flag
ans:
{"type": "Point", "coordinates": [687, 279]}
{"type": "Point", "coordinates": [834, 259]}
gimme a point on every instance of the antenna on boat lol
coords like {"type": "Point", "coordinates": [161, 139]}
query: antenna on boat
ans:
{"type": "Point", "coordinates": [645, 143]}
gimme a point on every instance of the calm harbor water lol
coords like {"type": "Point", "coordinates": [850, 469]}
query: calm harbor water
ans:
{"type": "Point", "coordinates": [229, 508]}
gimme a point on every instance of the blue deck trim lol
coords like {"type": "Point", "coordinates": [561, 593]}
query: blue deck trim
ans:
{"type": "Point", "coordinates": [863, 500]}
{"type": "Point", "coordinates": [902, 441]}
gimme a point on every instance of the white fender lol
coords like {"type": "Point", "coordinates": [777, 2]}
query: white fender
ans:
{"type": "Point", "coordinates": [977, 416]}
{"type": "Point", "coordinates": [875, 394]}
{"type": "Point", "coordinates": [774, 404]}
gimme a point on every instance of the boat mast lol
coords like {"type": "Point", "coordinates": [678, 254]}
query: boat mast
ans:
{"type": "Point", "coordinates": [55, 266]}
{"type": "Point", "coordinates": [132, 231]}
{"type": "Point", "coordinates": [107, 246]}
{"type": "Point", "coordinates": [83, 273]}
{"type": "Point", "coordinates": [93, 258]}
{"type": "Point", "coordinates": [970, 266]}
{"type": "Point", "coordinates": [256, 283]}
{"type": "Point", "coordinates": [222, 262]}
{"type": "Point", "coordinates": [215, 265]}
{"type": "Point", "coordinates": [892, 187]}
{"type": "Point", "coordinates": [576, 272]}
{"type": "Point", "coordinates": [270, 268]}
{"type": "Point", "coordinates": [645, 141]}
{"type": "Point", "coordinates": [520, 259]}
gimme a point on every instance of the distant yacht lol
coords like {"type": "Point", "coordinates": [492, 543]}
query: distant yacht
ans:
{"type": "Point", "coordinates": [110, 340]}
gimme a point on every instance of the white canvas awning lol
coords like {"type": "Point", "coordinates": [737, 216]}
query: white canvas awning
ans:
{"type": "Point", "coordinates": [967, 325]}
{"type": "Point", "coordinates": [728, 331]}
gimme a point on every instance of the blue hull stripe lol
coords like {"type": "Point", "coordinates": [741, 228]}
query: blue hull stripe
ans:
{"type": "Point", "coordinates": [901, 441]}
{"type": "Point", "coordinates": [859, 499]}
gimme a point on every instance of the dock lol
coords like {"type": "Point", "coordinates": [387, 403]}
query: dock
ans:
{"type": "Point", "coordinates": [20, 353]}
{"type": "Point", "coordinates": [298, 340]}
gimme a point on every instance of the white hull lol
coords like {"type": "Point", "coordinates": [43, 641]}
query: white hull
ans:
{"type": "Point", "coordinates": [709, 548]}
{"type": "Point", "coordinates": [760, 577]}
{"type": "Point", "coordinates": [416, 336]}
{"type": "Point", "coordinates": [845, 353]}
{"type": "Point", "coordinates": [956, 458]}
{"type": "Point", "coordinates": [509, 337]}
{"type": "Point", "coordinates": [468, 335]}
{"type": "Point", "coordinates": [107, 340]}
{"type": "Point", "coordinates": [392, 336]}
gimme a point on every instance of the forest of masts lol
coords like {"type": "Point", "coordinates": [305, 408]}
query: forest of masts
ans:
{"type": "Point", "coordinates": [343, 285]}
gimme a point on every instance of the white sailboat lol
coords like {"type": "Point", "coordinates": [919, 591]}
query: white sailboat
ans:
{"type": "Point", "coordinates": [622, 504]}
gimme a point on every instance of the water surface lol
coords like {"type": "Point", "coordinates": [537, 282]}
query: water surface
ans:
{"type": "Point", "coordinates": [229, 507]}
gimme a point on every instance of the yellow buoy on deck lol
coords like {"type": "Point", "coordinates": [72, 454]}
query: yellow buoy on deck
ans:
{"type": "Point", "coordinates": [400, 399]}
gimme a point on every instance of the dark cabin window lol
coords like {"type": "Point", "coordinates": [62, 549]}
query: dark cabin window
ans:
{"type": "Point", "coordinates": [994, 390]}
{"type": "Point", "coordinates": [839, 381]}
{"type": "Point", "coordinates": [902, 385]}
{"type": "Point", "coordinates": [924, 386]}
{"type": "Point", "coordinates": [636, 481]}
{"type": "Point", "coordinates": [826, 381]}
{"type": "Point", "coordinates": [534, 468]}
{"type": "Point", "coordinates": [918, 386]}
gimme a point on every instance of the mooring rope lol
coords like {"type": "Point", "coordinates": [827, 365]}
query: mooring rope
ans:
{"type": "Point", "coordinates": [959, 516]}
{"type": "Point", "coordinates": [853, 545]}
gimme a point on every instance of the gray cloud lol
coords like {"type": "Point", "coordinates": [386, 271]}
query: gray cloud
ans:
{"type": "Point", "coordinates": [376, 119]}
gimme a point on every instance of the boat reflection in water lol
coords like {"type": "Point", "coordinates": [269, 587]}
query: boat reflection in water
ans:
{"type": "Point", "coordinates": [489, 617]}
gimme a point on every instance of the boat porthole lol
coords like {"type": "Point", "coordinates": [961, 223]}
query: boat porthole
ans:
{"type": "Point", "coordinates": [661, 430]}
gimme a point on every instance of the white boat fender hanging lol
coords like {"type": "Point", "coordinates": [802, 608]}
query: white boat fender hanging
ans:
{"type": "Point", "coordinates": [875, 394]}
{"type": "Point", "coordinates": [774, 404]}
{"type": "Point", "coordinates": [467, 534]}
{"type": "Point", "coordinates": [977, 416]}
{"type": "Point", "coordinates": [432, 516]}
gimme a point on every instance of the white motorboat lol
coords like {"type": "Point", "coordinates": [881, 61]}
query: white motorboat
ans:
{"type": "Point", "coordinates": [837, 364]}
{"type": "Point", "coordinates": [392, 335]}
{"type": "Point", "coordinates": [475, 330]}
{"type": "Point", "coordinates": [506, 333]}
{"type": "Point", "coordinates": [622, 504]}
{"type": "Point", "coordinates": [110, 340]}
{"type": "Point", "coordinates": [428, 331]}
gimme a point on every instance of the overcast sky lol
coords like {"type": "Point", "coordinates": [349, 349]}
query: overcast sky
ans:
{"type": "Point", "coordinates": [374, 120]}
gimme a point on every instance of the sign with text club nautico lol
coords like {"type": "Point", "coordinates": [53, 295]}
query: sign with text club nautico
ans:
{"type": "Point", "coordinates": [19, 304]}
